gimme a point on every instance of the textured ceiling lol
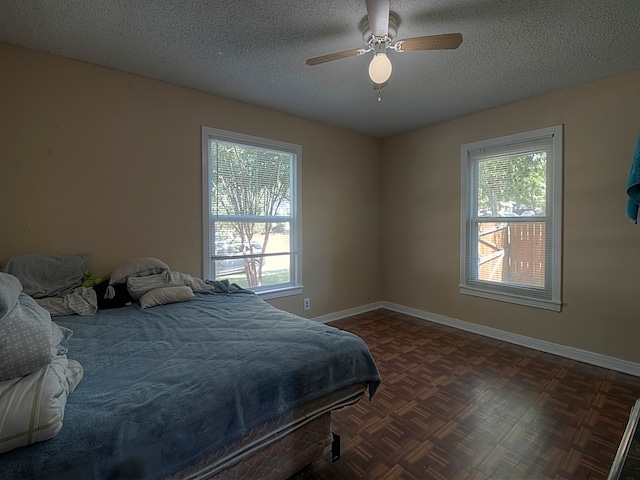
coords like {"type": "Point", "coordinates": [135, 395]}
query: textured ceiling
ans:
{"type": "Point", "coordinates": [255, 51]}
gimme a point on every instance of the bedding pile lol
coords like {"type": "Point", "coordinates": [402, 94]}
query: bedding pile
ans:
{"type": "Point", "coordinates": [55, 283]}
{"type": "Point", "coordinates": [150, 282]}
{"type": "Point", "coordinates": [35, 375]}
{"type": "Point", "coordinates": [162, 388]}
{"type": "Point", "coordinates": [169, 385]}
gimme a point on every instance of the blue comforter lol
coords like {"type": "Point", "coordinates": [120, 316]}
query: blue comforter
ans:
{"type": "Point", "coordinates": [165, 385]}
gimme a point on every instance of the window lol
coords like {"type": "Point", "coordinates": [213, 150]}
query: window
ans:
{"type": "Point", "coordinates": [251, 227]}
{"type": "Point", "coordinates": [511, 222]}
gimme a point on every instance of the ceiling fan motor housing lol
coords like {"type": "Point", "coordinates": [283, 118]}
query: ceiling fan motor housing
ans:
{"type": "Point", "coordinates": [368, 38]}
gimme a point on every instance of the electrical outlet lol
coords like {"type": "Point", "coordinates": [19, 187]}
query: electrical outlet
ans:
{"type": "Point", "coordinates": [307, 303]}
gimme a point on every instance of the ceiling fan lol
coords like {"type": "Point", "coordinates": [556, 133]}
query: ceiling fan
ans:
{"type": "Point", "coordinates": [379, 32]}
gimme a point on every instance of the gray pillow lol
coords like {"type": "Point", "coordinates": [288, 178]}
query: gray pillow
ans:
{"type": "Point", "coordinates": [27, 338]}
{"type": "Point", "coordinates": [10, 290]}
{"type": "Point", "coordinates": [47, 275]}
{"type": "Point", "coordinates": [138, 267]}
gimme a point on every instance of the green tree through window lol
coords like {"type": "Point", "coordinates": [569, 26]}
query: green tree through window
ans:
{"type": "Point", "coordinates": [251, 227]}
{"type": "Point", "coordinates": [248, 183]}
{"type": "Point", "coordinates": [519, 181]}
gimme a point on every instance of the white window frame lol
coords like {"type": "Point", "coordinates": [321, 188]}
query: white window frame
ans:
{"type": "Point", "coordinates": [469, 283]}
{"type": "Point", "coordinates": [294, 286]}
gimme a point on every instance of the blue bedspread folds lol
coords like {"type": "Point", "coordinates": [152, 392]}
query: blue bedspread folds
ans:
{"type": "Point", "coordinates": [165, 385]}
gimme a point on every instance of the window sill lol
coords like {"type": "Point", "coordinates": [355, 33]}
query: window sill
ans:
{"type": "Point", "coordinates": [511, 298]}
{"type": "Point", "coordinates": [268, 294]}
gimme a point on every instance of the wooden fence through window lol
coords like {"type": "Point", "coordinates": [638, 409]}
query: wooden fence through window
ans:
{"type": "Point", "coordinates": [512, 252]}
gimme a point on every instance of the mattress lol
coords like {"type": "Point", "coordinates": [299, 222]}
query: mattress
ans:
{"type": "Point", "coordinates": [279, 448]}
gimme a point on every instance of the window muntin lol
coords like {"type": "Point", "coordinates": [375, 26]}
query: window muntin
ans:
{"type": "Point", "coordinates": [511, 218]}
{"type": "Point", "coordinates": [250, 203]}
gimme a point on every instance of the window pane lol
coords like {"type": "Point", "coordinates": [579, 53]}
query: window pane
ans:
{"type": "Point", "coordinates": [256, 238]}
{"type": "Point", "coordinates": [512, 253]}
{"type": "Point", "coordinates": [512, 185]}
{"type": "Point", "coordinates": [248, 180]}
{"type": "Point", "coordinates": [252, 254]}
{"type": "Point", "coordinates": [275, 271]}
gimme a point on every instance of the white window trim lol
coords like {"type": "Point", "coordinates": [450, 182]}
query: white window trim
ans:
{"type": "Point", "coordinates": [266, 292]}
{"type": "Point", "coordinates": [554, 187]}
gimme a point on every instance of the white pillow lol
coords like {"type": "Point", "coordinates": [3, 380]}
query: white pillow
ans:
{"type": "Point", "coordinates": [138, 286]}
{"type": "Point", "coordinates": [164, 295]}
{"type": "Point", "coordinates": [33, 406]}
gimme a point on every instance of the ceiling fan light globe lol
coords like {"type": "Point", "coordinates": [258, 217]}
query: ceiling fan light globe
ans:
{"type": "Point", "coordinates": [380, 68]}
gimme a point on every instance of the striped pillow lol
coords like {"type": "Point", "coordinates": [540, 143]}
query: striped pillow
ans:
{"type": "Point", "coordinates": [34, 405]}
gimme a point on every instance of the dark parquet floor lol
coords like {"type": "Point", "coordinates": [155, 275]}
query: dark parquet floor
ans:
{"type": "Point", "coordinates": [455, 405]}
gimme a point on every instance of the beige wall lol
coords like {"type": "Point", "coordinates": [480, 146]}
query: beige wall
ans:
{"type": "Point", "coordinates": [99, 161]}
{"type": "Point", "coordinates": [601, 254]}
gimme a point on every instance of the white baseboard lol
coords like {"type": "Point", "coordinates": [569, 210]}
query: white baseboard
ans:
{"type": "Point", "coordinates": [332, 317]}
{"type": "Point", "coordinates": [596, 359]}
{"type": "Point", "coordinates": [585, 356]}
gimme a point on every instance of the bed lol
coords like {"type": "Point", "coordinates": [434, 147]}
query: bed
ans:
{"type": "Point", "coordinates": [219, 385]}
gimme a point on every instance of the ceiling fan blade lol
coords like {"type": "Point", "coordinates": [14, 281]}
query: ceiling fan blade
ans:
{"type": "Point", "coordinates": [429, 42]}
{"type": "Point", "coordinates": [335, 56]}
{"type": "Point", "coordinates": [378, 13]}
